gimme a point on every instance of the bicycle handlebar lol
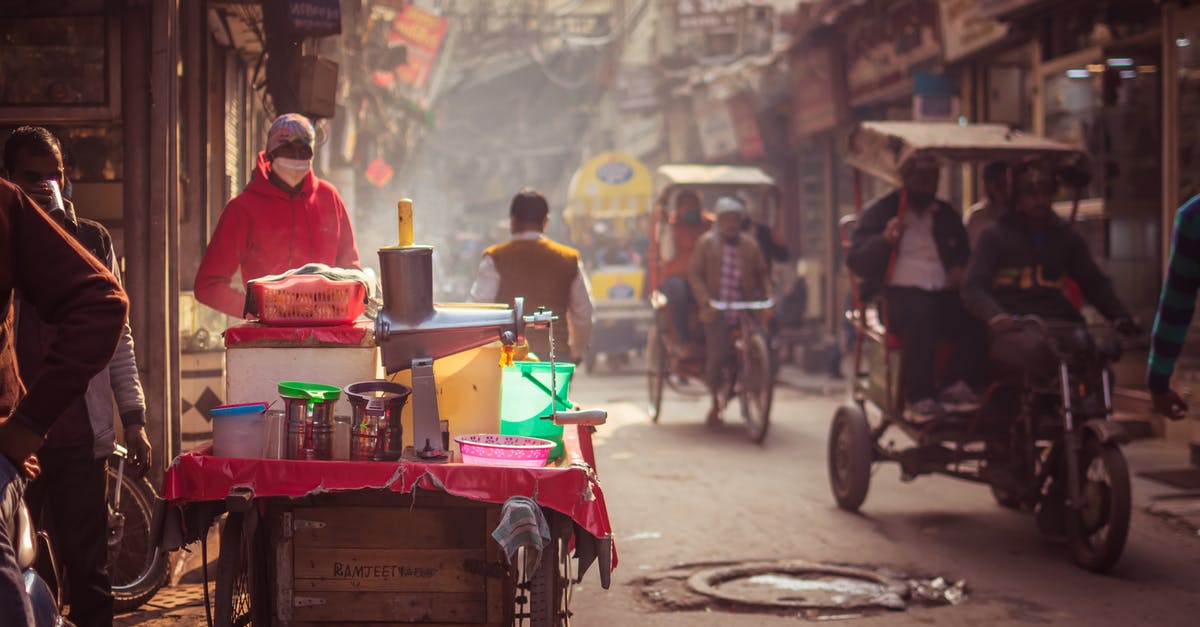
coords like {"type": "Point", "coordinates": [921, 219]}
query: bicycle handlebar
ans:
{"type": "Point", "coordinates": [742, 305]}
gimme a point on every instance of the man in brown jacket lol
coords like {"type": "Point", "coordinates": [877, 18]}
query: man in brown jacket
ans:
{"type": "Point", "coordinates": [70, 289]}
{"type": "Point", "coordinates": [547, 274]}
{"type": "Point", "coordinates": [727, 265]}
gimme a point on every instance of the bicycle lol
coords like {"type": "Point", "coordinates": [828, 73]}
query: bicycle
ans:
{"type": "Point", "coordinates": [751, 376]}
{"type": "Point", "coordinates": [137, 567]}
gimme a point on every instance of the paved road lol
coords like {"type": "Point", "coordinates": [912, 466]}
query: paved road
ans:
{"type": "Point", "coordinates": [679, 492]}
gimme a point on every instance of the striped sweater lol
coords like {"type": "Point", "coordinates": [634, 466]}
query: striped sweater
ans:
{"type": "Point", "coordinates": [1178, 300]}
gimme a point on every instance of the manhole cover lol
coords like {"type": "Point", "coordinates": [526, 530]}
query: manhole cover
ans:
{"type": "Point", "coordinates": [800, 585]}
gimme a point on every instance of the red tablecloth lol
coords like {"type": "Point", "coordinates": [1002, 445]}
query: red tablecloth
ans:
{"type": "Point", "coordinates": [571, 491]}
{"type": "Point", "coordinates": [356, 334]}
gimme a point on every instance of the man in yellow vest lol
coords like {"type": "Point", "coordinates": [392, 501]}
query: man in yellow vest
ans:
{"type": "Point", "coordinates": [545, 273]}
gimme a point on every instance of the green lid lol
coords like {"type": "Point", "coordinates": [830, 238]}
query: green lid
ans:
{"type": "Point", "coordinates": [312, 392]}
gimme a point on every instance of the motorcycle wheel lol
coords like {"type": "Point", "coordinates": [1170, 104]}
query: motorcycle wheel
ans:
{"type": "Point", "coordinates": [1098, 527]}
{"type": "Point", "coordinates": [851, 452]}
{"type": "Point", "coordinates": [137, 566]}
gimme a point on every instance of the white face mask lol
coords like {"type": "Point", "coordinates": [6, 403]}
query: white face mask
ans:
{"type": "Point", "coordinates": [291, 171]}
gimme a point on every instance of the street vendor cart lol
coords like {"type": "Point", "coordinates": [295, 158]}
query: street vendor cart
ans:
{"type": "Point", "coordinates": [469, 535]}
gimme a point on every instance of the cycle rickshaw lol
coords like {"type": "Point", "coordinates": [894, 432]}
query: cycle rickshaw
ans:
{"type": "Point", "coordinates": [1049, 445]}
{"type": "Point", "coordinates": [751, 379]}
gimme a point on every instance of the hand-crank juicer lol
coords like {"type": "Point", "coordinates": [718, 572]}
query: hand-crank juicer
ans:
{"type": "Point", "coordinates": [412, 331]}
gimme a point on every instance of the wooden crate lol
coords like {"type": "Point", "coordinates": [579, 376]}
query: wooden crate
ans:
{"type": "Point", "coordinates": [381, 560]}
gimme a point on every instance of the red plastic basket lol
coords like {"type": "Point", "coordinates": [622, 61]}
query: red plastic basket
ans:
{"type": "Point", "coordinates": [309, 300]}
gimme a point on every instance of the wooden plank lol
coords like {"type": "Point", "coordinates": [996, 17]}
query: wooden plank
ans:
{"type": "Point", "coordinates": [396, 607]}
{"type": "Point", "coordinates": [393, 570]}
{"type": "Point", "coordinates": [282, 545]}
{"type": "Point", "coordinates": [387, 498]}
{"type": "Point", "coordinates": [389, 527]}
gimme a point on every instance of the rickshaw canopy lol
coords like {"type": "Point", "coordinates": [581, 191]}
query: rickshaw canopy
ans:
{"type": "Point", "coordinates": [882, 148]}
{"type": "Point", "coordinates": [610, 185]}
{"type": "Point", "coordinates": [717, 175]}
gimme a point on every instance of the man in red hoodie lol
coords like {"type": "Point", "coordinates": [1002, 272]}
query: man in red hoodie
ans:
{"type": "Point", "coordinates": [285, 218]}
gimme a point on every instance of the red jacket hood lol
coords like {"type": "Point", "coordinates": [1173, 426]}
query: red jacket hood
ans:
{"type": "Point", "coordinates": [260, 181]}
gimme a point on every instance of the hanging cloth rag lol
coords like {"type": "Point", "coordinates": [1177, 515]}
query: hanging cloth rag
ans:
{"type": "Point", "coordinates": [522, 525]}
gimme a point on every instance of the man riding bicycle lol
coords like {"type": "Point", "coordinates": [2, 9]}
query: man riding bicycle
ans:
{"type": "Point", "coordinates": [726, 265]}
{"type": "Point", "coordinates": [1020, 268]}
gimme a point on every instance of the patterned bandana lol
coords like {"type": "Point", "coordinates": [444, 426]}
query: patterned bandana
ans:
{"type": "Point", "coordinates": [731, 278]}
{"type": "Point", "coordinates": [288, 128]}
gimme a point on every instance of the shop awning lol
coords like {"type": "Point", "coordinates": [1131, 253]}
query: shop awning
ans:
{"type": "Point", "coordinates": [610, 185]}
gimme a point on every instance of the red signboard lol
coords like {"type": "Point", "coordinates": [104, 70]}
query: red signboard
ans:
{"type": "Point", "coordinates": [422, 33]}
{"type": "Point", "coordinates": [745, 124]}
{"type": "Point", "coordinates": [817, 100]}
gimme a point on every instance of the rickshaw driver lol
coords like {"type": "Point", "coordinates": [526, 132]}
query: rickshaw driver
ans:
{"type": "Point", "coordinates": [921, 299]}
{"type": "Point", "coordinates": [1020, 268]}
{"type": "Point", "coordinates": [688, 225]}
{"type": "Point", "coordinates": [727, 266]}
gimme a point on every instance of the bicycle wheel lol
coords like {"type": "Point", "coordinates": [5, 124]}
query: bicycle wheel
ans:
{"type": "Point", "coordinates": [137, 567]}
{"type": "Point", "coordinates": [656, 372]}
{"type": "Point", "coordinates": [757, 386]}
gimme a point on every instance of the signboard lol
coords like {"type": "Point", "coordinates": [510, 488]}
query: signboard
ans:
{"type": "Point", "coordinates": [999, 8]}
{"type": "Point", "coordinates": [315, 18]}
{"type": "Point", "coordinates": [421, 33]}
{"type": "Point", "coordinates": [745, 125]}
{"type": "Point", "coordinates": [640, 136]}
{"type": "Point", "coordinates": [718, 136]}
{"type": "Point", "coordinates": [708, 14]}
{"type": "Point", "coordinates": [637, 88]}
{"type": "Point", "coordinates": [882, 48]}
{"type": "Point", "coordinates": [817, 101]}
{"type": "Point", "coordinates": [965, 29]}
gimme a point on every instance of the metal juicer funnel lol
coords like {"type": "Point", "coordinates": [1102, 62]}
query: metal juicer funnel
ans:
{"type": "Point", "coordinates": [411, 327]}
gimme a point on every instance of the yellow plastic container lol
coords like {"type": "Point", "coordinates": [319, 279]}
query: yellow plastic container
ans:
{"type": "Point", "coordinates": [468, 393]}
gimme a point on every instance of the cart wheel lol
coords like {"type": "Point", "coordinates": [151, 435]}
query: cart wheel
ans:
{"type": "Point", "coordinates": [546, 588]}
{"type": "Point", "coordinates": [757, 386]}
{"type": "Point", "coordinates": [1006, 499]}
{"type": "Point", "coordinates": [656, 372]}
{"type": "Point", "coordinates": [850, 455]}
{"type": "Point", "coordinates": [240, 599]}
{"type": "Point", "coordinates": [1098, 527]}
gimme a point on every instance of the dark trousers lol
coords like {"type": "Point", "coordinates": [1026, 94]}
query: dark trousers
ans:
{"type": "Point", "coordinates": [921, 319]}
{"type": "Point", "coordinates": [69, 499]}
{"type": "Point", "coordinates": [679, 305]}
{"type": "Point", "coordinates": [718, 344]}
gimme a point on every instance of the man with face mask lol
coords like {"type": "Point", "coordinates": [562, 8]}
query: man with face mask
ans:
{"type": "Point", "coordinates": [726, 266]}
{"type": "Point", "coordinates": [68, 499]}
{"type": "Point", "coordinates": [285, 218]}
{"type": "Point", "coordinates": [1020, 268]}
{"type": "Point", "coordinates": [925, 251]}
{"type": "Point", "coordinates": [688, 224]}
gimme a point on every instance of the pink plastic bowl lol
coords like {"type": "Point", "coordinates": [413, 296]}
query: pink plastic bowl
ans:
{"type": "Point", "coordinates": [515, 451]}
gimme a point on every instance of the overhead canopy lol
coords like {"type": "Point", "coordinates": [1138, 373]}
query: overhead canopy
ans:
{"type": "Point", "coordinates": [723, 175]}
{"type": "Point", "coordinates": [881, 148]}
{"type": "Point", "coordinates": [610, 185]}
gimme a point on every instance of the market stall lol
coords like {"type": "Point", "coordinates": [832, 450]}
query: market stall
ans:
{"type": "Point", "coordinates": [333, 519]}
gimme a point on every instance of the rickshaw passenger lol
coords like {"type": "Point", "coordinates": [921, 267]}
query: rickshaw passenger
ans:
{"type": "Point", "coordinates": [727, 266]}
{"type": "Point", "coordinates": [1020, 267]}
{"type": "Point", "coordinates": [988, 211]}
{"type": "Point", "coordinates": [688, 225]}
{"type": "Point", "coordinates": [921, 301]}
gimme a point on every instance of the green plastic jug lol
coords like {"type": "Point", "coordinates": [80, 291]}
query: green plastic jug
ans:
{"type": "Point", "coordinates": [525, 397]}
